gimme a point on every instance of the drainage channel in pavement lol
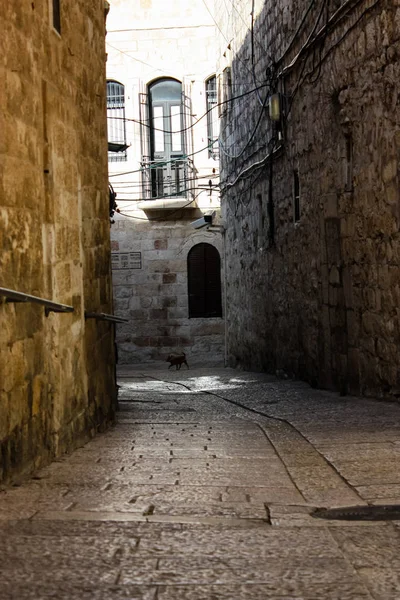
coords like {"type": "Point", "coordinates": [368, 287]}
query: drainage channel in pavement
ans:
{"type": "Point", "coordinates": [383, 512]}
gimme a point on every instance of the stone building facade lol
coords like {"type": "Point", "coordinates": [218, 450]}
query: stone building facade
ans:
{"type": "Point", "coordinates": [57, 384]}
{"type": "Point", "coordinates": [310, 194]}
{"type": "Point", "coordinates": [163, 165]}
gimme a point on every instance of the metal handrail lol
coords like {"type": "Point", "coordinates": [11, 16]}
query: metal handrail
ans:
{"type": "Point", "coordinates": [105, 317]}
{"type": "Point", "coordinates": [50, 306]}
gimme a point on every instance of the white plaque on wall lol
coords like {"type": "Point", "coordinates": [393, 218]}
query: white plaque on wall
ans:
{"type": "Point", "coordinates": [126, 260]}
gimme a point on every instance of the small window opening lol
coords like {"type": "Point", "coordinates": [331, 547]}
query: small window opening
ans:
{"type": "Point", "coordinates": [261, 222]}
{"type": "Point", "coordinates": [57, 15]}
{"type": "Point", "coordinates": [296, 196]}
{"type": "Point", "coordinates": [348, 166]}
{"type": "Point", "coordinates": [226, 91]}
{"type": "Point", "coordinates": [116, 129]}
{"type": "Point", "coordinates": [212, 126]}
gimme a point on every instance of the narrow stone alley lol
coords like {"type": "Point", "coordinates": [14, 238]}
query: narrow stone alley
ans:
{"type": "Point", "coordinates": [204, 490]}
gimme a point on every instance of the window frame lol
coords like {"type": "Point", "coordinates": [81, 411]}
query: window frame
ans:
{"type": "Point", "coordinates": [225, 91]}
{"type": "Point", "coordinates": [172, 169]}
{"type": "Point", "coordinates": [118, 105]}
{"type": "Point", "coordinates": [166, 104]}
{"type": "Point", "coordinates": [211, 104]}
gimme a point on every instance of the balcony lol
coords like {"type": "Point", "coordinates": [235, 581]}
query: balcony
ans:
{"type": "Point", "coordinates": [167, 184]}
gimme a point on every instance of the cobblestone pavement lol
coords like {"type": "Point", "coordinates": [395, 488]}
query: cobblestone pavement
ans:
{"type": "Point", "coordinates": [204, 490]}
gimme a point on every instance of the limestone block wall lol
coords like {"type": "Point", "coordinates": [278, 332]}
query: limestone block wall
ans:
{"type": "Point", "coordinates": [57, 371]}
{"type": "Point", "coordinates": [320, 281]}
{"type": "Point", "coordinates": [154, 297]}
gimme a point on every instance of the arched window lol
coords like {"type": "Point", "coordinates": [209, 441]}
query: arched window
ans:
{"type": "Point", "coordinates": [204, 281]}
{"type": "Point", "coordinates": [167, 140]}
{"type": "Point", "coordinates": [116, 130]}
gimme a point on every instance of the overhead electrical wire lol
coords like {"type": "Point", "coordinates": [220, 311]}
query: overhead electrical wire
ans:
{"type": "Point", "coordinates": [323, 5]}
{"type": "Point", "coordinates": [331, 48]}
{"type": "Point", "coordinates": [136, 59]}
{"type": "Point", "coordinates": [321, 35]}
{"type": "Point", "coordinates": [296, 33]}
{"type": "Point", "coordinates": [254, 131]}
{"type": "Point", "coordinates": [185, 129]}
{"type": "Point", "coordinates": [252, 53]}
{"type": "Point", "coordinates": [124, 185]}
{"type": "Point", "coordinates": [156, 164]}
{"type": "Point", "coordinates": [312, 38]}
{"type": "Point", "coordinates": [135, 182]}
{"type": "Point", "coordinates": [163, 71]}
{"type": "Point", "coordinates": [213, 188]}
{"type": "Point", "coordinates": [307, 54]}
{"type": "Point", "coordinates": [366, 11]}
{"type": "Point", "coordinates": [149, 121]}
{"type": "Point", "coordinates": [263, 103]}
{"type": "Point", "coordinates": [164, 196]}
{"type": "Point", "coordinates": [244, 21]}
{"type": "Point", "coordinates": [256, 165]}
{"type": "Point", "coordinates": [173, 27]}
{"type": "Point", "coordinates": [225, 38]}
{"type": "Point", "coordinates": [337, 16]}
{"type": "Point", "coordinates": [322, 45]}
{"type": "Point", "coordinates": [235, 156]}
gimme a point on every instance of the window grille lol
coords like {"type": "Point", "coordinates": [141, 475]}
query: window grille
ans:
{"type": "Point", "coordinates": [204, 282]}
{"type": "Point", "coordinates": [212, 127]}
{"type": "Point", "coordinates": [116, 126]}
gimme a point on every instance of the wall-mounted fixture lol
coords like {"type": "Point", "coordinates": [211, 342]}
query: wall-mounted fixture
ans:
{"type": "Point", "coordinates": [105, 317]}
{"type": "Point", "coordinates": [49, 305]}
{"type": "Point", "coordinates": [275, 107]}
{"type": "Point", "coordinates": [205, 220]}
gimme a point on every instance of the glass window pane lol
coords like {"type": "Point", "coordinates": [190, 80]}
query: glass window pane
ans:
{"type": "Point", "coordinates": [158, 121]}
{"type": "Point", "coordinates": [176, 128]}
{"type": "Point", "coordinates": [165, 89]}
{"type": "Point", "coordinates": [115, 95]}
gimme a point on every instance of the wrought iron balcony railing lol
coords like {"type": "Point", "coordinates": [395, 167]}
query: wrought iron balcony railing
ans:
{"type": "Point", "coordinates": [167, 179]}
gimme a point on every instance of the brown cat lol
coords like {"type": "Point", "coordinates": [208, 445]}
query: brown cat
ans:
{"type": "Point", "coordinates": [177, 360]}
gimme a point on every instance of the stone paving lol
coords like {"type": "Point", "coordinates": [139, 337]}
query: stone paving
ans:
{"type": "Point", "coordinates": [204, 490]}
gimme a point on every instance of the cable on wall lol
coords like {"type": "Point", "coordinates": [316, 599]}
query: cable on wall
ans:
{"type": "Point", "coordinates": [148, 122]}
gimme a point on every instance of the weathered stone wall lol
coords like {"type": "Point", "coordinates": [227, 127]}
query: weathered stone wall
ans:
{"type": "Point", "coordinates": [56, 372]}
{"type": "Point", "coordinates": [155, 297]}
{"type": "Point", "coordinates": [320, 294]}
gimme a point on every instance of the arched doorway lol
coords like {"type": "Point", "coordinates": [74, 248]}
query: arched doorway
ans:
{"type": "Point", "coordinates": [204, 282]}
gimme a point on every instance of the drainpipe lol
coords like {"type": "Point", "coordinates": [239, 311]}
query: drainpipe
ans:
{"type": "Point", "coordinates": [225, 301]}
